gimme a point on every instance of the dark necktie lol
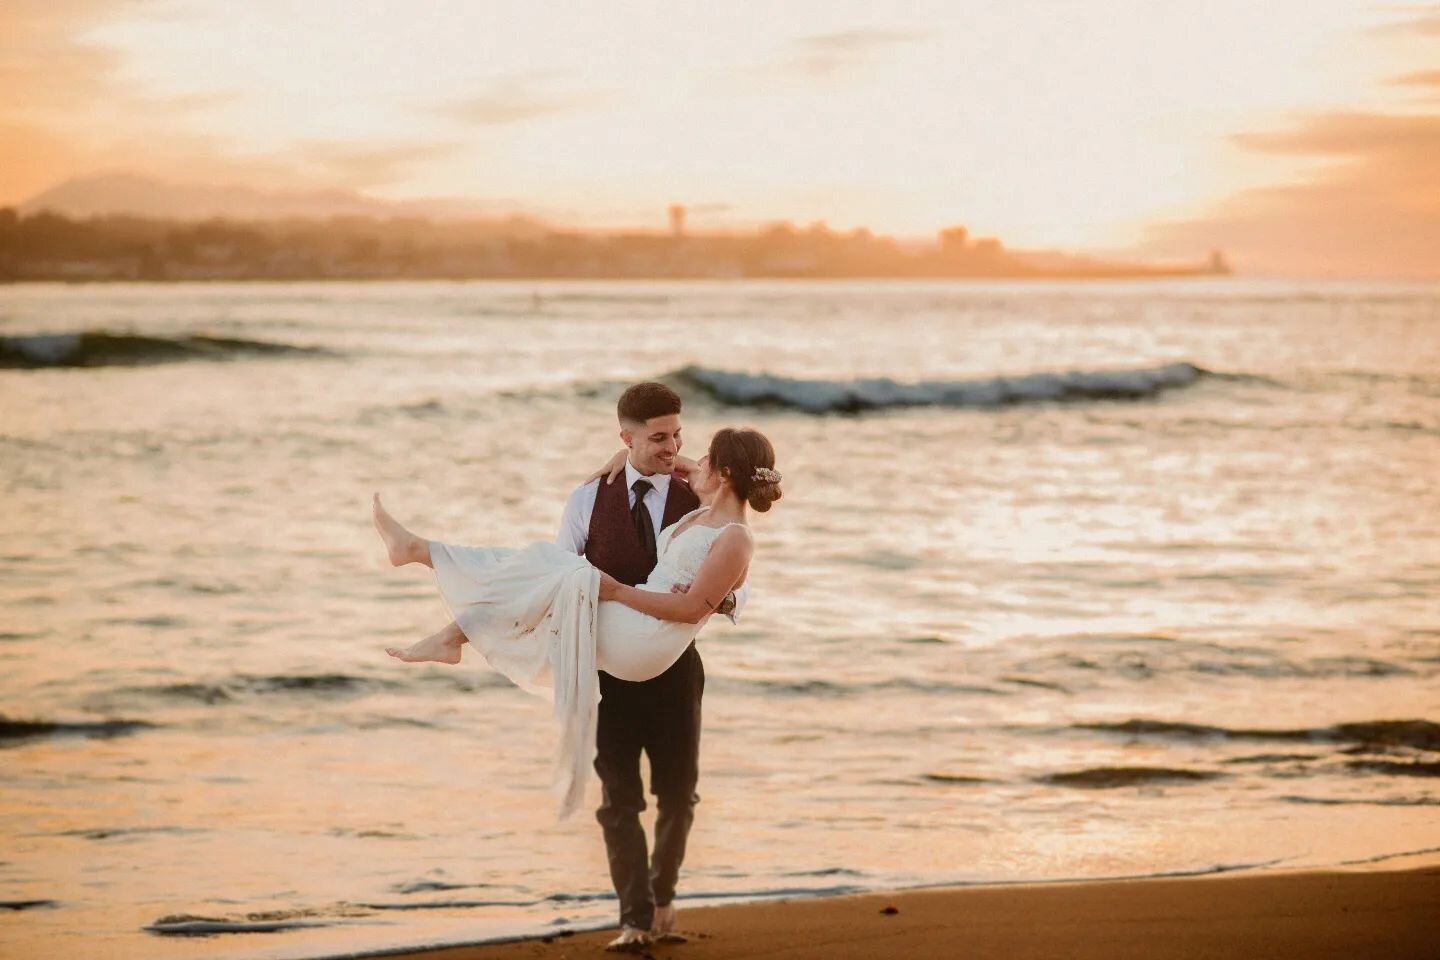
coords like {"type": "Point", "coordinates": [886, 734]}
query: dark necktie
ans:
{"type": "Point", "coordinates": [644, 526]}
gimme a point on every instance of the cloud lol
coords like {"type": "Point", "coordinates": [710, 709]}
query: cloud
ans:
{"type": "Point", "coordinates": [822, 56]}
{"type": "Point", "coordinates": [66, 106]}
{"type": "Point", "coordinates": [369, 165]}
{"type": "Point", "coordinates": [1427, 24]}
{"type": "Point", "coordinates": [1425, 82]}
{"type": "Point", "coordinates": [1370, 205]}
{"type": "Point", "coordinates": [1365, 136]}
{"type": "Point", "coordinates": [1372, 209]}
{"type": "Point", "coordinates": [43, 68]}
{"type": "Point", "coordinates": [515, 99]}
{"type": "Point", "coordinates": [1425, 78]}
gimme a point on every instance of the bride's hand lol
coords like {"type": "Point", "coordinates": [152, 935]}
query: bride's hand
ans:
{"type": "Point", "coordinates": [608, 586]}
{"type": "Point", "coordinates": [612, 469]}
{"type": "Point", "coordinates": [684, 467]}
{"type": "Point", "coordinates": [679, 588]}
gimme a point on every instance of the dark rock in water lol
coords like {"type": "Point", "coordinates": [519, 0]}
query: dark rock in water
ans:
{"type": "Point", "coordinates": [1099, 777]}
{"type": "Point", "coordinates": [1396, 768]}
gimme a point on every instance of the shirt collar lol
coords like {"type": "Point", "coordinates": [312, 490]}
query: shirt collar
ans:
{"type": "Point", "coordinates": [660, 481]}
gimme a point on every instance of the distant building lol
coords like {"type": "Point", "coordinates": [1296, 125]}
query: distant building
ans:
{"type": "Point", "coordinates": [677, 220]}
{"type": "Point", "coordinates": [1218, 263]}
{"type": "Point", "coordinates": [954, 240]}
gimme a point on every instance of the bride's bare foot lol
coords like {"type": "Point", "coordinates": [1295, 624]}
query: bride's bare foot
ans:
{"type": "Point", "coordinates": [402, 546]}
{"type": "Point", "coordinates": [440, 647]}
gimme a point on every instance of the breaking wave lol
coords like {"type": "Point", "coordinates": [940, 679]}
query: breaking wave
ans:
{"type": "Point", "coordinates": [854, 396]}
{"type": "Point", "coordinates": [98, 348]}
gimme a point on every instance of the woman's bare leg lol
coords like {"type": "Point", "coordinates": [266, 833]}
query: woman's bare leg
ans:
{"type": "Point", "coordinates": [443, 646]}
{"type": "Point", "coordinates": [402, 545]}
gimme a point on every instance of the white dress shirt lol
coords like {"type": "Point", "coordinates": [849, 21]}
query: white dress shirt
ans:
{"type": "Point", "coordinates": [580, 508]}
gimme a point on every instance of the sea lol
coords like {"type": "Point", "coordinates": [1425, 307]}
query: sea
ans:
{"type": "Point", "coordinates": [1071, 580]}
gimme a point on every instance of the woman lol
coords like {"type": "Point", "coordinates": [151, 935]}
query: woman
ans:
{"type": "Point", "coordinates": [549, 620]}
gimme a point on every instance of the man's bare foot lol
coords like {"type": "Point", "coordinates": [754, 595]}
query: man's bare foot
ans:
{"type": "Point", "coordinates": [631, 940]}
{"type": "Point", "coordinates": [402, 546]}
{"type": "Point", "coordinates": [662, 929]}
{"type": "Point", "coordinates": [440, 647]}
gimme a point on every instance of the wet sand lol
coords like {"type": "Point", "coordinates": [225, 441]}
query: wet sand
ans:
{"type": "Point", "coordinates": [1381, 913]}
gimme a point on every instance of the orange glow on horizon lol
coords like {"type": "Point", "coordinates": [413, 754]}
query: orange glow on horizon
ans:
{"type": "Point", "coordinates": [1281, 133]}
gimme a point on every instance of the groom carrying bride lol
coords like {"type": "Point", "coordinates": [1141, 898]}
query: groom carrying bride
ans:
{"type": "Point", "coordinates": [616, 528]}
{"type": "Point", "coordinates": [603, 624]}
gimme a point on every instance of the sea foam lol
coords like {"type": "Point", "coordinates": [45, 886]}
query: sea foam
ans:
{"type": "Point", "coordinates": [853, 396]}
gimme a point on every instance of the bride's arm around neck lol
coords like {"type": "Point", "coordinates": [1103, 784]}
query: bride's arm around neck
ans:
{"type": "Point", "coordinates": [723, 567]}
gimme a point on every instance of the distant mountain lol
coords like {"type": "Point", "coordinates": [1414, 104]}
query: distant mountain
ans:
{"type": "Point", "coordinates": [130, 193]}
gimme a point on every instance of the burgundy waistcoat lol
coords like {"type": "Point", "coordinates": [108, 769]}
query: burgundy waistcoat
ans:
{"type": "Point", "coordinates": [612, 543]}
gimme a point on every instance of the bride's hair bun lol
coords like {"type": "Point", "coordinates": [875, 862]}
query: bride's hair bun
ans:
{"type": "Point", "coordinates": [747, 459]}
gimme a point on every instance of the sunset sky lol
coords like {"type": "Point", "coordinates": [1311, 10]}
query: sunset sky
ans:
{"type": "Point", "coordinates": [1300, 135]}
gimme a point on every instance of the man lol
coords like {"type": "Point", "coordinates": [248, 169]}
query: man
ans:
{"type": "Point", "coordinates": [616, 528]}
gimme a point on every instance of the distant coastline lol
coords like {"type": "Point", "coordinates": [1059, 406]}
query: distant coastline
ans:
{"type": "Point", "coordinates": [44, 246]}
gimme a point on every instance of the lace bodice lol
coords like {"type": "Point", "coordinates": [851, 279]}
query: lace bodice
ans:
{"type": "Point", "coordinates": [682, 555]}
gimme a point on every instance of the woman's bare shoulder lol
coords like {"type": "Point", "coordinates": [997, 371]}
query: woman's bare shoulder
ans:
{"type": "Point", "coordinates": [737, 533]}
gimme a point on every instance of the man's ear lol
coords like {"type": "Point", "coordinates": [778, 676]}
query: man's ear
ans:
{"type": "Point", "coordinates": [627, 438]}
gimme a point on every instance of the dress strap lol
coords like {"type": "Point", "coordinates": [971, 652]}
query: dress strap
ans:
{"type": "Point", "coordinates": [685, 519]}
{"type": "Point", "coordinates": [693, 513]}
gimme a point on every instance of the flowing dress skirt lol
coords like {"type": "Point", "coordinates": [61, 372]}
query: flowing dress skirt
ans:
{"type": "Point", "coordinates": [535, 615]}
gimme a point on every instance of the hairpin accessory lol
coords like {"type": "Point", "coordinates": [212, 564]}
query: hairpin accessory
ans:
{"type": "Point", "coordinates": [766, 475]}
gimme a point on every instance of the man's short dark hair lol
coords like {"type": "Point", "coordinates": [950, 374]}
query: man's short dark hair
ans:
{"type": "Point", "coordinates": [646, 400]}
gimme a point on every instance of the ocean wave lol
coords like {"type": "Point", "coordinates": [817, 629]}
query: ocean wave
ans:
{"type": "Point", "coordinates": [185, 924]}
{"type": "Point", "coordinates": [854, 396]}
{"type": "Point", "coordinates": [99, 348]}
{"type": "Point", "coordinates": [1396, 768]}
{"type": "Point", "coordinates": [27, 904]}
{"type": "Point", "coordinates": [1416, 734]}
{"type": "Point", "coordinates": [1365, 802]}
{"type": "Point", "coordinates": [107, 833]}
{"type": "Point", "coordinates": [839, 689]}
{"type": "Point", "coordinates": [28, 729]}
{"type": "Point", "coordinates": [1105, 777]}
{"type": "Point", "coordinates": [1111, 654]}
{"type": "Point", "coordinates": [953, 778]}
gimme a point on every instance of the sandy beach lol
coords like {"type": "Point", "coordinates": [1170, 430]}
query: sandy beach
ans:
{"type": "Point", "coordinates": [1382, 913]}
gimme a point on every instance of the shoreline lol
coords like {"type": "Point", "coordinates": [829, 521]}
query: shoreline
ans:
{"type": "Point", "coordinates": [1346, 912]}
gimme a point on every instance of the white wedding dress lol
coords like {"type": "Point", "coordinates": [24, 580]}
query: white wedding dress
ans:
{"type": "Point", "coordinates": [534, 613]}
